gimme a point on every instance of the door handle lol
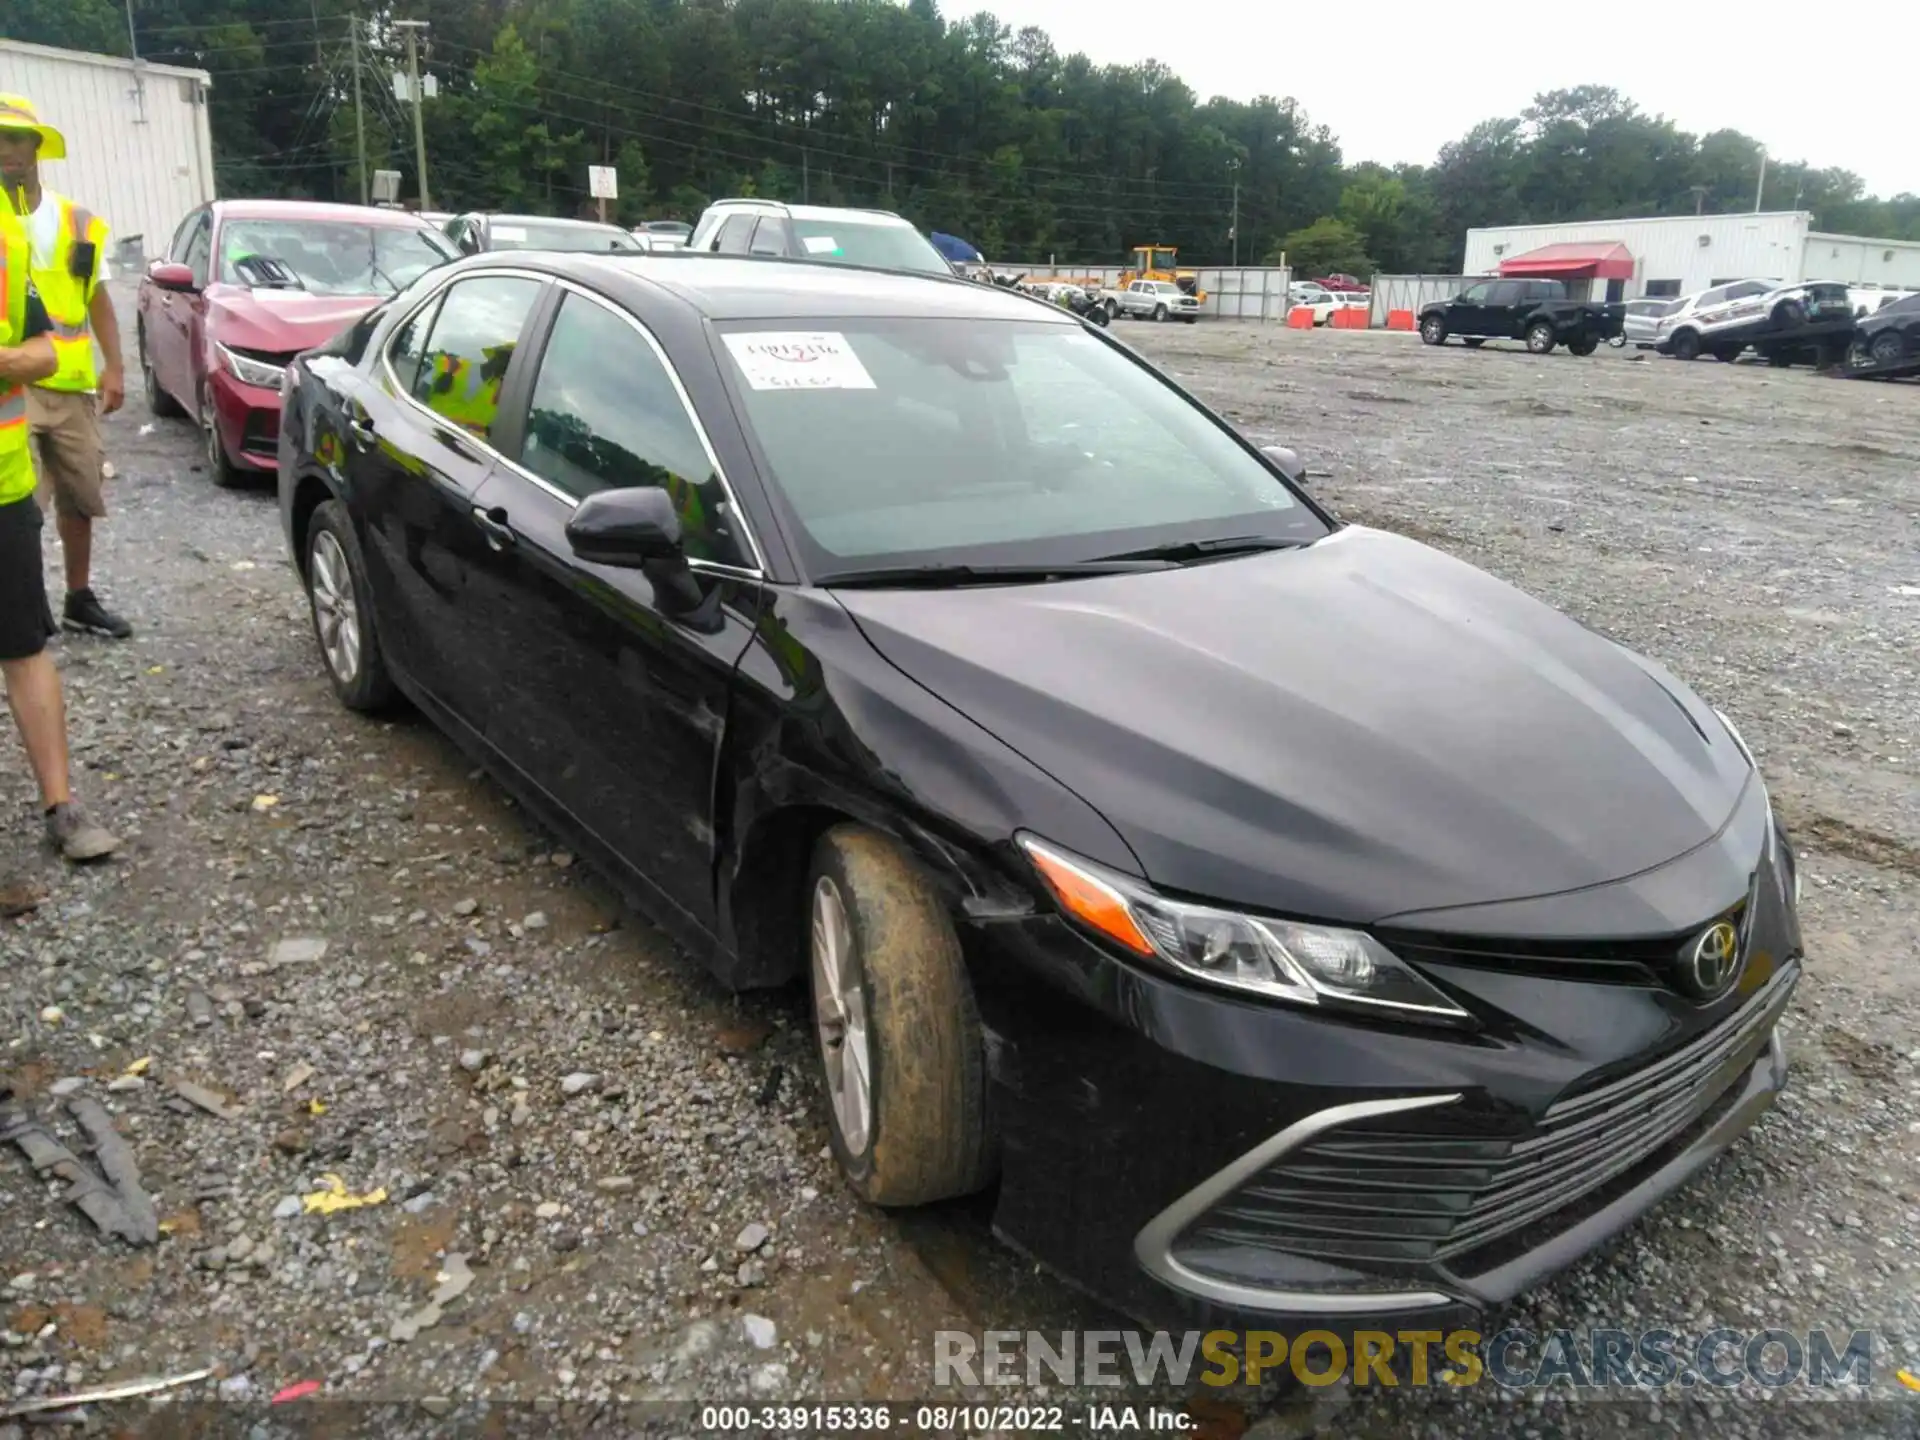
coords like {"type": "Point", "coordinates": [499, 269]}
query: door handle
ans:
{"type": "Point", "coordinates": [493, 524]}
{"type": "Point", "coordinates": [360, 427]}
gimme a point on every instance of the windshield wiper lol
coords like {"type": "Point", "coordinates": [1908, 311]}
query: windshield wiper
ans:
{"type": "Point", "coordinates": [1214, 547]}
{"type": "Point", "coordinates": [939, 576]}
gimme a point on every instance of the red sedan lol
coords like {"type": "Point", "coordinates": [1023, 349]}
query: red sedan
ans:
{"type": "Point", "coordinates": [244, 287]}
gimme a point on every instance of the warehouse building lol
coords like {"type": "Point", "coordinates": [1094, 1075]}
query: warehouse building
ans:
{"type": "Point", "coordinates": [1682, 254]}
{"type": "Point", "coordinates": [139, 149]}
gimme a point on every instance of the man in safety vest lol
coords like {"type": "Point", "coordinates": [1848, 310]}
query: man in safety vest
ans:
{"type": "Point", "coordinates": [69, 245]}
{"type": "Point", "coordinates": [26, 621]}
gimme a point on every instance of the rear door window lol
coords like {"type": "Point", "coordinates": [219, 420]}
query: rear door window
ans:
{"type": "Point", "coordinates": [465, 360]}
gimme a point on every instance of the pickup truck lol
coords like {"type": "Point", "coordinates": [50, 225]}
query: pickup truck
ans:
{"type": "Point", "coordinates": [1536, 311]}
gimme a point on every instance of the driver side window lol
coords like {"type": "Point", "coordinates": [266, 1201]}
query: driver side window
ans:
{"type": "Point", "coordinates": [199, 255]}
{"type": "Point", "coordinates": [1476, 294]}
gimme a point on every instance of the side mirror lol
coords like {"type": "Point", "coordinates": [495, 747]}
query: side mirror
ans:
{"type": "Point", "coordinates": [1287, 462]}
{"type": "Point", "coordinates": [630, 529]}
{"type": "Point", "coordinates": [170, 275]}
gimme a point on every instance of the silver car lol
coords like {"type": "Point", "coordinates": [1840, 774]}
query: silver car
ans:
{"type": "Point", "coordinates": [1642, 327]}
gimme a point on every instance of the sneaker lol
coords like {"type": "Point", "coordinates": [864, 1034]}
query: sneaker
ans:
{"type": "Point", "coordinates": [77, 837]}
{"type": "Point", "coordinates": [85, 612]}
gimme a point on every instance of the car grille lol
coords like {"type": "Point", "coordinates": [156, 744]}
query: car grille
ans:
{"type": "Point", "coordinates": [1629, 962]}
{"type": "Point", "coordinates": [1383, 1194]}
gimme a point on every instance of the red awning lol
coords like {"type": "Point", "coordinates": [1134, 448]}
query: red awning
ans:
{"type": "Point", "coordinates": [1608, 260]}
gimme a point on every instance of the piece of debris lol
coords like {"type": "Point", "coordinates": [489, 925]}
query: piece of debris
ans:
{"type": "Point", "coordinates": [205, 1099]}
{"type": "Point", "coordinates": [199, 1009]}
{"type": "Point", "coordinates": [454, 1279]}
{"type": "Point", "coordinates": [116, 1205]}
{"type": "Point", "coordinates": [578, 1083]}
{"type": "Point", "coordinates": [100, 1394]}
{"type": "Point", "coordinates": [138, 1067]}
{"type": "Point", "coordinates": [335, 1196]}
{"type": "Point", "coordinates": [760, 1331]}
{"type": "Point", "coordinates": [751, 1238]}
{"type": "Point", "coordinates": [298, 1391]}
{"type": "Point", "coordinates": [297, 1077]}
{"type": "Point", "coordinates": [297, 950]}
{"type": "Point", "coordinates": [20, 897]}
{"type": "Point", "coordinates": [742, 1037]}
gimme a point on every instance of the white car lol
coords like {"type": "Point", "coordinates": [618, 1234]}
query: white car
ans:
{"type": "Point", "coordinates": [825, 234]}
{"type": "Point", "coordinates": [1156, 300]}
{"type": "Point", "coordinates": [1644, 317]}
{"type": "Point", "coordinates": [1778, 319]}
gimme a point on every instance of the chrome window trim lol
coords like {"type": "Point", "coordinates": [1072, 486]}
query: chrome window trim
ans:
{"type": "Point", "coordinates": [755, 572]}
{"type": "Point", "coordinates": [1153, 1246]}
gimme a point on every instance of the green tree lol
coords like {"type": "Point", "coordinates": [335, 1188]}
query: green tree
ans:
{"type": "Point", "coordinates": [1327, 246]}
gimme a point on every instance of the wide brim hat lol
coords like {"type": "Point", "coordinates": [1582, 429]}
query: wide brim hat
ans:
{"type": "Point", "coordinates": [17, 113]}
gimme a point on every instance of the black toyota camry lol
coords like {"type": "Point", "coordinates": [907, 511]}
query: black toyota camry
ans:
{"type": "Point", "coordinates": [1288, 921]}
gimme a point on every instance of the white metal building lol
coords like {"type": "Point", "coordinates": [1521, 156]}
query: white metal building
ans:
{"type": "Point", "coordinates": [139, 150]}
{"type": "Point", "coordinates": [1681, 254]}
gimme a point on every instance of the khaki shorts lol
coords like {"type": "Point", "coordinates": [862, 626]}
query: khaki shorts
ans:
{"type": "Point", "coordinates": [66, 434]}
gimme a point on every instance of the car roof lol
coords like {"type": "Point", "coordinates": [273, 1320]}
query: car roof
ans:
{"type": "Point", "coordinates": [513, 218]}
{"type": "Point", "coordinates": [774, 288]}
{"type": "Point", "coordinates": [814, 212]}
{"type": "Point", "coordinates": [315, 210]}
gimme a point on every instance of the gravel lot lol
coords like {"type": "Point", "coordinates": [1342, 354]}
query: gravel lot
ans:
{"type": "Point", "coordinates": [383, 973]}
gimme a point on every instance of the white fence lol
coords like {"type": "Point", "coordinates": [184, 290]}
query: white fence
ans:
{"type": "Point", "coordinates": [1246, 293]}
{"type": "Point", "coordinates": [1410, 292]}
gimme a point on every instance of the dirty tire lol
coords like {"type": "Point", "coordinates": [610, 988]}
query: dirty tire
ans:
{"type": "Point", "coordinates": [1540, 339]}
{"type": "Point", "coordinates": [1433, 331]}
{"type": "Point", "coordinates": [163, 405]}
{"type": "Point", "coordinates": [1725, 355]}
{"type": "Point", "coordinates": [370, 689]}
{"type": "Point", "coordinates": [927, 1136]}
{"type": "Point", "coordinates": [1686, 345]}
{"type": "Point", "coordinates": [1582, 347]}
{"type": "Point", "coordinates": [1887, 348]}
{"type": "Point", "coordinates": [220, 469]}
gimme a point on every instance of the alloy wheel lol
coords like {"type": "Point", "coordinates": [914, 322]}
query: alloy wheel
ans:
{"type": "Point", "coordinates": [840, 1017]}
{"type": "Point", "coordinates": [336, 614]}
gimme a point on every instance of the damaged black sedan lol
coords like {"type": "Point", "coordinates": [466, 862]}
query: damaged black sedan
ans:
{"type": "Point", "coordinates": [1281, 918]}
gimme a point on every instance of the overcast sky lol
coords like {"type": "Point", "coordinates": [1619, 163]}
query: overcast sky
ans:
{"type": "Point", "coordinates": [1395, 81]}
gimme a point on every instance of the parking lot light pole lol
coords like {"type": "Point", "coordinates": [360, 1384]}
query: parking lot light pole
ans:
{"type": "Point", "coordinates": [1233, 229]}
{"type": "Point", "coordinates": [413, 29]}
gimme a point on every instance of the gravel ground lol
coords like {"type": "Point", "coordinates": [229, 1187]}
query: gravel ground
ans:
{"type": "Point", "coordinates": [374, 969]}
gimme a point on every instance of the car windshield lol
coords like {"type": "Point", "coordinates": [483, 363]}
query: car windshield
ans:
{"type": "Point", "coordinates": [327, 257]}
{"type": "Point", "coordinates": [966, 442]}
{"type": "Point", "coordinates": [525, 234]}
{"type": "Point", "coordinates": [847, 241]}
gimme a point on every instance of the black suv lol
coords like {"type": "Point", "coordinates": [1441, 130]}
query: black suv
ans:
{"type": "Point", "coordinates": [1536, 311]}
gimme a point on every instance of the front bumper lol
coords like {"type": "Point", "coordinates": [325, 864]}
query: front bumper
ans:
{"type": "Point", "coordinates": [1196, 1160]}
{"type": "Point", "coordinates": [248, 420]}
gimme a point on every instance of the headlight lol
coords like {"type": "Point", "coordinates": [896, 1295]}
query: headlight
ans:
{"type": "Point", "coordinates": [1277, 959]}
{"type": "Point", "coordinates": [249, 371]}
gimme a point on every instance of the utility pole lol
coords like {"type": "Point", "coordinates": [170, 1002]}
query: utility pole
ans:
{"type": "Point", "coordinates": [319, 55]}
{"type": "Point", "coordinates": [413, 29]}
{"type": "Point", "coordinates": [1699, 199]}
{"type": "Point", "coordinates": [359, 110]}
{"type": "Point", "coordinates": [133, 40]}
{"type": "Point", "coordinates": [806, 176]}
{"type": "Point", "coordinates": [1761, 188]}
{"type": "Point", "coordinates": [1233, 230]}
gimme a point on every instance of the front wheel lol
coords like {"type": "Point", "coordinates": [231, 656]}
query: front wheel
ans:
{"type": "Point", "coordinates": [225, 473]}
{"type": "Point", "coordinates": [1540, 339]}
{"type": "Point", "coordinates": [1100, 315]}
{"type": "Point", "coordinates": [342, 606]}
{"type": "Point", "coordinates": [899, 1035]}
{"type": "Point", "coordinates": [1433, 331]}
{"type": "Point", "coordinates": [1887, 348]}
{"type": "Point", "coordinates": [1686, 345]}
{"type": "Point", "coordinates": [1726, 354]}
{"type": "Point", "coordinates": [1159, 312]}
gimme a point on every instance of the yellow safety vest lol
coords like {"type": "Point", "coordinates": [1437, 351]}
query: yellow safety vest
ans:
{"type": "Point", "coordinates": [16, 461]}
{"type": "Point", "coordinates": [66, 297]}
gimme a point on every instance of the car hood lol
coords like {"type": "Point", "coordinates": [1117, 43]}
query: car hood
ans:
{"type": "Point", "coordinates": [280, 320]}
{"type": "Point", "coordinates": [1351, 731]}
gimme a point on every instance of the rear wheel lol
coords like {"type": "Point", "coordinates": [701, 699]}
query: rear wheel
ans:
{"type": "Point", "coordinates": [1474, 342]}
{"type": "Point", "coordinates": [1433, 330]}
{"type": "Point", "coordinates": [1887, 348]}
{"type": "Point", "coordinates": [1540, 339]}
{"type": "Point", "coordinates": [1726, 354]}
{"type": "Point", "coordinates": [1779, 359]}
{"type": "Point", "coordinates": [1583, 347]}
{"type": "Point", "coordinates": [1686, 345]}
{"type": "Point", "coordinates": [894, 1017]}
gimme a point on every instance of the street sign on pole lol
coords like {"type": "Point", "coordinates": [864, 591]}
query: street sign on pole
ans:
{"type": "Point", "coordinates": [386, 186]}
{"type": "Point", "coordinates": [603, 184]}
